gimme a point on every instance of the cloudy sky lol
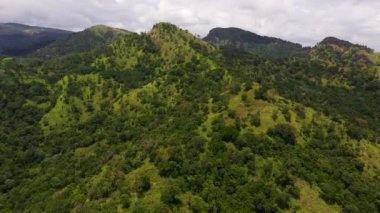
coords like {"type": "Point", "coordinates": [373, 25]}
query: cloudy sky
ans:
{"type": "Point", "coordinates": [303, 21]}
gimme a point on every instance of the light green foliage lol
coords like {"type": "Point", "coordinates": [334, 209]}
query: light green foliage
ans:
{"type": "Point", "coordinates": [310, 200]}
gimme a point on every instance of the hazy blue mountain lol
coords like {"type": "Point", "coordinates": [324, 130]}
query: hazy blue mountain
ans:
{"type": "Point", "coordinates": [20, 39]}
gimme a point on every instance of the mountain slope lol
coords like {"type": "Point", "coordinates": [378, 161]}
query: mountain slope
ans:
{"type": "Point", "coordinates": [251, 42]}
{"type": "Point", "coordinates": [83, 41]}
{"type": "Point", "coordinates": [344, 53]}
{"type": "Point", "coordinates": [165, 122]}
{"type": "Point", "coordinates": [18, 39]}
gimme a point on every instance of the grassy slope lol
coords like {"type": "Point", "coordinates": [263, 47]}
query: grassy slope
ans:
{"type": "Point", "coordinates": [310, 202]}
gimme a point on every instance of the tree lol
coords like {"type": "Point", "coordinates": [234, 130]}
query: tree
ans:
{"type": "Point", "coordinates": [255, 119]}
{"type": "Point", "coordinates": [283, 200]}
{"type": "Point", "coordinates": [142, 184]}
{"type": "Point", "coordinates": [169, 195]}
{"type": "Point", "coordinates": [229, 133]}
{"type": "Point", "coordinates": [284, 131]}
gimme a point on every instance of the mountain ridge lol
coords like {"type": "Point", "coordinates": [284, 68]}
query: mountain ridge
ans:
{"type": "Point", "coordinates": [342, 43]}
{"type": "Point", "coordinates": [19, 39]}
{"type": "Point", "coordinates": [228, 36]}
{"type": "Point", "coordinates": [252, 42]}
{"type": "Point", "coordinates": [83, 41]}
{"type": "Point", "coordinates": [239, 34]}
{"type": "Point", "coordinates": [20, 28]}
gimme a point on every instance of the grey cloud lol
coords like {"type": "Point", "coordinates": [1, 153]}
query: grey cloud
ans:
{"type": "Point", "coordinates": [303, 21]}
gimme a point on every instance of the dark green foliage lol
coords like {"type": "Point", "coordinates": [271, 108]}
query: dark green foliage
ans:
{"type": "Point", "coordinates": [300, 112]}
{"type": "Point", "coordinates": [231, 114]}
{"type": "Point", "coordinates": [142, 185]}
{"type": "Point", "coordinates": [255, 119]}
{"type": "Point", "coordinates": [244, 97]}
{"type": "Point", "coordinates": [169, 195]}
{"type": "Point", "coordinates": [261, 93]}
{"type": "Point", "coordinates": [287, 115]}
{"type": "Point", "coordinates": [251, 42]}
{"type": "Point", "coordinates": [356, 132]}
{"type": "Point", "coordinates": [284, 131]}
{"type": "Point", "coordinates": [216, 146]}
{"type": "Point", "coordinates": [125, 201]}
{"type": "Point", "coordinates": [283, 201]}
{"type": "Point", "coordinates": [275, 115]}
{"type": "Point", "coordinates": [229, 133]}
{"type": "Point", "coordinates": [235, 89]}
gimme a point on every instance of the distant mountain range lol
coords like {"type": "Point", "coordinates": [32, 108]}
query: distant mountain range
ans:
{"type": "Point", "coordinates": [19, 39]}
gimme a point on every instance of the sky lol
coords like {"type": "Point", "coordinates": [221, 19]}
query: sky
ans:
{"type": "Point", "coordinates": [302, 21]}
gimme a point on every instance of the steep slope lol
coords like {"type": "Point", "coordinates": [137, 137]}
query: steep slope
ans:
{"type": "Point", "coordinates": [251, 42]}
{"type": "Point", "coordinates": [83, 41]}
{"type": "Point", "coordinates": [165, 122]}
{"type": "Point", "coordinates": [19, 39]}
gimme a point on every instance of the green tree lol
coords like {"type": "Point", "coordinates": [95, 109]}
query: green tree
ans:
{"type": "Point", "coordinates": [284, 131]}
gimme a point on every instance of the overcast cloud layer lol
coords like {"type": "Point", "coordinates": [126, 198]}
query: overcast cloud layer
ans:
{"type": "Point", "coordinates": [303, 21]}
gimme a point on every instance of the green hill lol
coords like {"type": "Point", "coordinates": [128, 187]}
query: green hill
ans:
{"type": "Point", "coordinates": [83, 41]}
{"type": "Point", "coordinates": [344, 53]}
{"type": "Point", "coordinates": [166, 122]}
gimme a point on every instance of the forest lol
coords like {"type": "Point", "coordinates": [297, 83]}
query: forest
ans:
{"type": "Point", "coordinates": [108, 120]}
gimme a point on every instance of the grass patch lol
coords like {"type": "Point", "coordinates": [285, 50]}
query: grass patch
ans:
{"type": "Point", "coordinates": [370, 155]}
{"type": "Point", "coordinates": [310, 202]}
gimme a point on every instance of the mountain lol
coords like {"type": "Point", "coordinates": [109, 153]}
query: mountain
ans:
{"type": "Point", "coordinates": [341, 43]}
{"type": "Point", "coordinates": [83, 41]}
{"type": "Point", "coordinates": [19, 39]}
{"type": "Point", "coordinates": [340, 52]}
{"type": "Point", "coordinates": [251, 42]}
{"type": "Point", "coordinates": [165, 122]}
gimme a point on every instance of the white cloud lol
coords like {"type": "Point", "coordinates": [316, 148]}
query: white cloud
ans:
{"type": "Point", "coordinates": [303, 21]}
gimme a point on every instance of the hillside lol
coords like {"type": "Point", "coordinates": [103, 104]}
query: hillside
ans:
{"type": "Point", "coordinates": [343, 53]}
{"type": "Point", "coordinates": [251, 42]}
{"type": "Point", "coordinates": [19, 39]}
{"type": "Point", "coordinates": [166, 122]}
{"type": "Point", "coordinates": [83, 41]}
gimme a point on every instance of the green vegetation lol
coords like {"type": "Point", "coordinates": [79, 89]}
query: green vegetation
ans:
{"type": "Point", "coordinates": [88, 40]}
{"type": "Point", "coordinates": [166, 122]}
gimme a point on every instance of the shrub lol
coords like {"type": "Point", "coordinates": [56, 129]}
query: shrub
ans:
{"type": "Point", "coordinates": [255, 120]}
{"type": "Point", "coordinates": [244, 97]}
{"type": "Point", "coordinates": [283, 201]}
{"type": "Point", "coordinates": [229, 133]}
